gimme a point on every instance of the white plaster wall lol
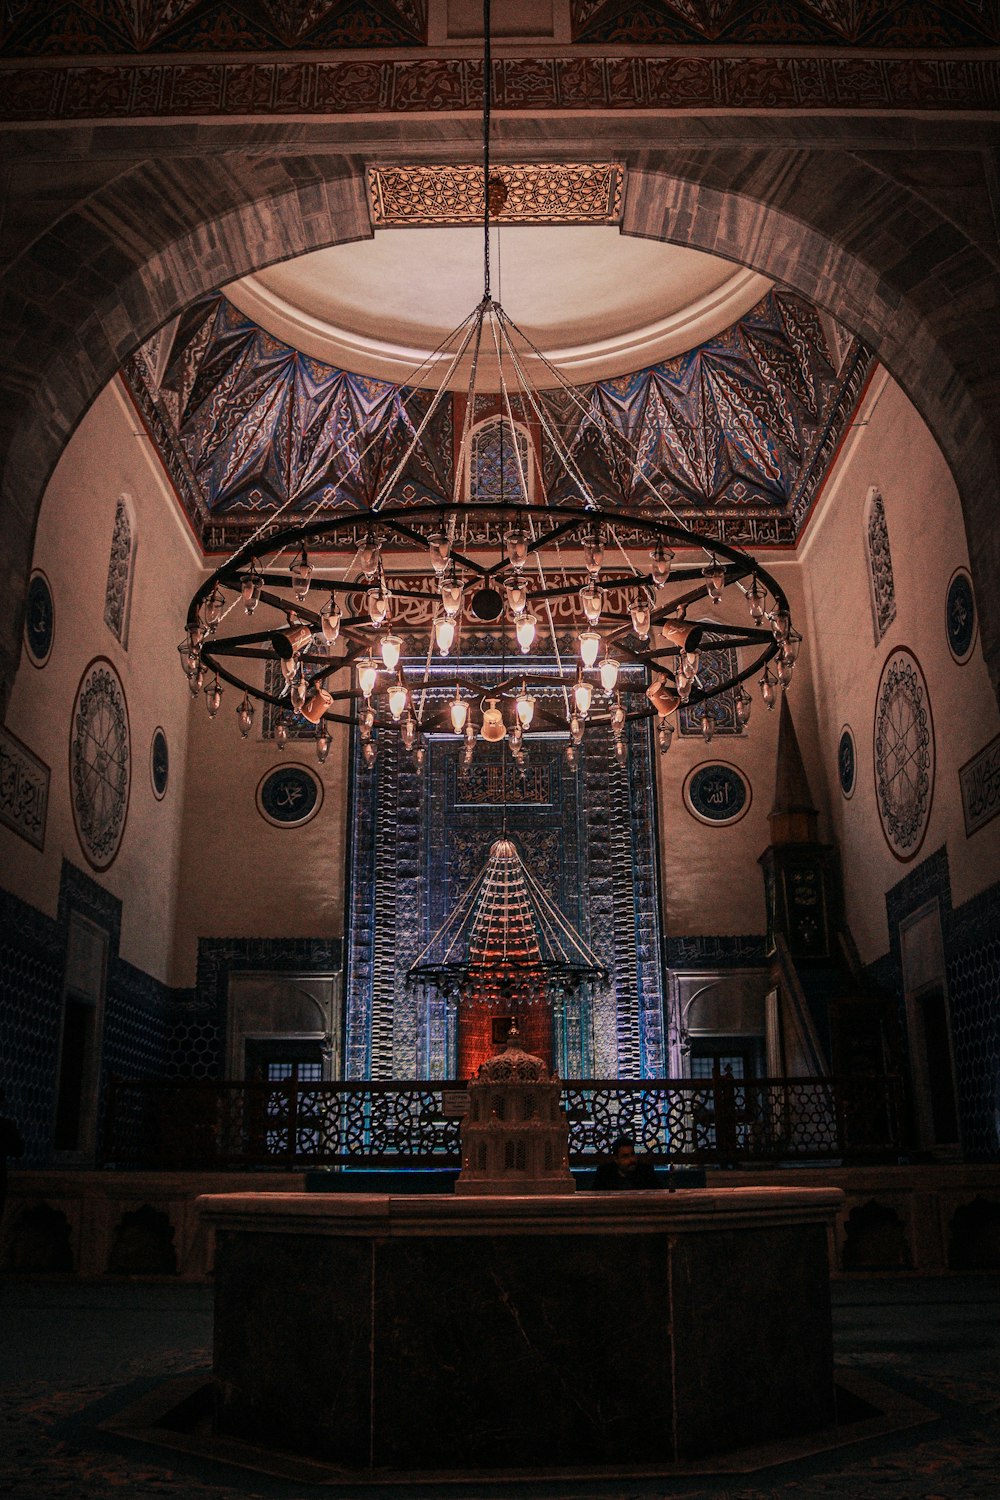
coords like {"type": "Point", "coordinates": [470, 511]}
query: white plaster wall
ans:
{"type": "Point", "coordinates": [104, 458]}
{"type": "Point", "coordinates": [890, 447]}
{"type": "Point", "coordinates": [711, 881]}
{"type": "Point", "coordinates": [242, 877]}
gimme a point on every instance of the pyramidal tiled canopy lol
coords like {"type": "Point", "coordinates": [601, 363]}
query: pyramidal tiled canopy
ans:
{"type": "Point", "coordinates": [506, 940]}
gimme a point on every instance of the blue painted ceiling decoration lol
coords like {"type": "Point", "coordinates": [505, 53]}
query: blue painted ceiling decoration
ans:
{"type": "Point", "coordinates": [735, 435]}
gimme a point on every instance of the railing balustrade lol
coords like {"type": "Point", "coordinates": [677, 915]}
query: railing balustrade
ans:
{"type": "Point", "coordinates": [221, 1124]}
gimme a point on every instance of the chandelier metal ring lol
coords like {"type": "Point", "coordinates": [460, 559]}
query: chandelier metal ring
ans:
{"type": "Point", "coordinates": [486, 568]}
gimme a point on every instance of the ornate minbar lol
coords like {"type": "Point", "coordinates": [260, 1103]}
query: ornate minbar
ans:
{"type": "Point", "coordinates": [554, 1333]}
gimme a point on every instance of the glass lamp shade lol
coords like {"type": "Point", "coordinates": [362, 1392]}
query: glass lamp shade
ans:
{"type": "Point", "coordinates": [439, 546]}
{"type": "Point", "coordinates": [459, 710]}
{"type": "Point", "coordinates": [664, 733]}
{"type": "Point", "coordinates": [592, 599]}
{"type": "Point", "coordinates": [444, 633]}
{"type": "Point", "coordinates": [609, 674]}
{"type": "Point", "coordinates": [378, 606]}
{"type": "Point", "coordinates": [322, 746]}
{"type": "Point", "coordinates": [298, 692]}
{"type": "Point", "coordinates": [190, 660]}
{"type": "Point", "coordinates": [571, 755]}
{"type": "Point", "coordinates": [707, 726]}
{"type": "Point", "coordinates": [593, 554]}
{"type": "Point", "coordinates": [330, 618]}
{"type": "Point", "coordinates": [618, 718]}
{"type": "Point", "coordinates": [517, 598]}
{"type": "Point", "coordinates": [244, 717]}
{"type": "Point", "coordinates": [756, 599]}
{"type": "Point", "coordinates": [408, 733]}
{"type": "Point", "coordinates": [780, 624]}
{"type": "Point", "coordinates": [370, 752]}
{"type": "Point", "coordinates": [251, 592]}
{"type": "Point", "coordinates": [525, 709]}
{"type": "Point", "coordinates": [399, 697]}
{"type": "Point", "coordinates": [369, 558]}
{"type": "Point", "coordinates": [517, 548]}
{"type": "Point", "coordinates": [576, 728]}
{"type": "Point", "coordinates": [660, 560]}
{"type": "Point", "coordinates": [784, 670]}
{"type": "Point", "coordinates": [213, 697]}
{"type": "Point", "coordinates": [790, 650]}
{"type": "Point", "coordinates": [583, 696]}
{"type": "Point", "coordinates": [744, 703]}
{"type": "Point", "coordinates": [590, 645]}
{"type": "Point", "coordinates": [451, 598]}
{"type": "Point", "coordinates": [367, 675]}
{"type": "Point", "coordinates": [281, 734]}
{"type": "Point", "coordinates": [390, 647]}
{"type": "Point", "coordinates": [767, 687]}
{"type": "Point", "coordinates": [214, 608]}
{"type": "Point", "coordinates": [301, 571]}
{"type": "Point", "coordinates": [526, 632]}
{"type": "Point", "coordinates": [621, 752]}
{"type": "Point", "coordinates": [640, 620]}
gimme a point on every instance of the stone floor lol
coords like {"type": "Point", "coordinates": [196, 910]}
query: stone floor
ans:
{"type": "Point", "coordinates": [72, 1355]}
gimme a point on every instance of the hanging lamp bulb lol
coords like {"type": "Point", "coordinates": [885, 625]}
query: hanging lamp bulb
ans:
{"type": "Point", "coordinates": [399, 697]}
{"type": "Point", "coordinates": [780, 624]}
{"type": "Point", "coordinates": [707, 725]}
{"type": "Point", "coordinates": [593, 555]}
{"type": "Point", "coordinates": [517, 598]}
{"type": "Point", "coordinates": [583, 696]}
{"type": "Point", "coordinates": [744, 703]}
{"type": "Point", "coordinates": [439, 546]}
{"type": "Point", "coordinates": [367, 675]}
{"type": "Point", "coordinates": [767, 687]}
{"type": "Point", "coordinates": [660, 561]}
{"type": "Point", "coordinates": [572, 755]}
{"type": "Point", "coordinates": [420, 756]}
{"type": "Point", "coordinates": [618, 716]}
{"type": "Point", "coordinates": [281, 733]}
{"type": "Point", "coordinates": [302, 572]}
{"type": "Point", "coordinates": [451, 598]}
{"type": "Point", "coordinates": [444, 633]}
{"type": "Point", "coordinates": [370, 752]}
{"type": "Point", "coordinates": [459, 710]}
{"type": "Point", "coordinates": [592, 599]}
{"type": "Point", "coordinates": [525, 705]}
{"type": "Point", "coordinates": [621, 751]}
{"type": "Point", "coordinates": [525, 629]}
{"type": "Point", "coordinates": [640, 620]}
{"type": "Point", "coordinates": [408, 733]}
{"type": "Point", "coordinates": [378, 606]}
{"type": "Point", "coordinates": [609, 674]}
{"type": "Point", "coordinates": [784, 670]}
{"type": "Point", "coordinates": [716, 576]}
{"type": "Point", "coordinates": [790, 649]}
{"type": "Point", "coordinates": [756, 600]}
{"type": "Point", "coordinates": [517, 548]}
{"type": "Point", "coordinates": [244, 716]}
{"type": "Point", "coordinates": [197, 680]}
{"type": "Point", "coordinates": [298, 691]}
{"type": "Point", "coordinates": [213, 697]}
{"type": "Point", "coordinates": [692, 661]}
{"type": "Point", "coordinates": [664, 734]}
{"type": "Point", "coordinates": [370, 558]}
{"type": "Point", "coordinates": [590, 645]}
{"type": "Point", "coordinates": [250, 590]}
{"type": "Point", "coordinates": [322, 744]}
{"type": "Point", "coordinates": [576, 728]}
{"type": "Point", "coordinates": [189, 659]}
{"type": "Point", "coordinates": [391, 647]}
{"type": "Point", "coordinates": [330, 618]}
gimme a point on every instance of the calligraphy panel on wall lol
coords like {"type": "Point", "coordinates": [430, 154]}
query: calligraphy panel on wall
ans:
{"type": "Point", "coordinates": [980, 782]}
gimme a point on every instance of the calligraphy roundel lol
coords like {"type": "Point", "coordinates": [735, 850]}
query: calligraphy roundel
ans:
{"type": "Point", "coordinates": [159, 763]}
{"type": "Point", "coordinates": [100, 762]}
{"type": "Point", "coordinates": [960, 616]}
{"type": "Point", "coordinates": [39, 619]}
{"type": "Point", "coordinates": [717, 793]}
{"type": "Point", "coordinates": [903, 753]}
{"type": "Point", "coordinates": [847, 761]}
{"type": "Point", "coordinates": [289, 796]}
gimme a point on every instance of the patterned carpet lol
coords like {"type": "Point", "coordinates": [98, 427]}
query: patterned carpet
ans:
{"type": "Point", "coordinates": [73, 1356]}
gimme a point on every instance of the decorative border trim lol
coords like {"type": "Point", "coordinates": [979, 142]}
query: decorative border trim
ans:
{"type": "Point", "coordinates": [716, 822]}
{"type": "Point", "coordinates": [846, 729]}
{"type": "Point", "coordinates": [410, 196]}
{"type": "Point", "coordinates": [288, 766]}
{"type": "Point", "coordinates": [696, 81]}
{"type": "Point", "coordinates": [40, 661]}
{"type": "Point", "coordinates": [11, 746]}
{"type": "Point", "coordinates": [961, 660]}
{"type": "Point", "coordinates": [904, 859]}
{"type": "Point", "coordinates": [152, 779]}
{"type": "Point", "coordinates": [128, 794]}
{"type": "Point", "coordinates": [981, 774]}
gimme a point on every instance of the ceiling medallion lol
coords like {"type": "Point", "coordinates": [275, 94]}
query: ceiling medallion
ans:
{"type": "Point", "coordinates": [529, 566]}
{"type": "Point", "coordinates": [422, 197]}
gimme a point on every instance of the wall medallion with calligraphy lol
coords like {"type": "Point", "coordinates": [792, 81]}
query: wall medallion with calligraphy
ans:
{"type": "Point", "coordinates": [903, 753]}
{"type": "Point", "coordinates": [960, 616]}
{"type": "Point", "coordinates": [847, 761]}
{"type": "Point", "coordinates": [717, 793]}
{"type": "Point", "coordinates": [289, 796]}
{"type": "Point", "coordinates": [39, 619]}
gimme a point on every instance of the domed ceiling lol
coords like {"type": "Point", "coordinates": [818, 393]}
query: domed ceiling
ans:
{"type": "Point", "coordinates": [290, 391]}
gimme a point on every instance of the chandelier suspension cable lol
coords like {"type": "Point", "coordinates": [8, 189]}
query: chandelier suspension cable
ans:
{"type": "Point", "coordinates": [487, 96]}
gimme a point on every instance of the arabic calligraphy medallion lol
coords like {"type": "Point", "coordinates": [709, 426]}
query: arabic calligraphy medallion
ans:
{"type": "Point", "coordinates": [960, 616]}
{"type": "Point", "coordinates": [717, 793]}
{"type": "Point", "coordinates": [847, 761]}
{"type": "Point", "coordinates": [289, 796]}
{"type": "Point", "coordinates": [100, 762]}
{"type": "Point", "coordinates": [904, 753]}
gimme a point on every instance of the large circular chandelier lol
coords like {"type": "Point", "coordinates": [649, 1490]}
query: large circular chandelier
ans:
{"type": "Point", "coordinates": [374, 615]}
{"type": "Point", "coordinates": [557, 601]}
